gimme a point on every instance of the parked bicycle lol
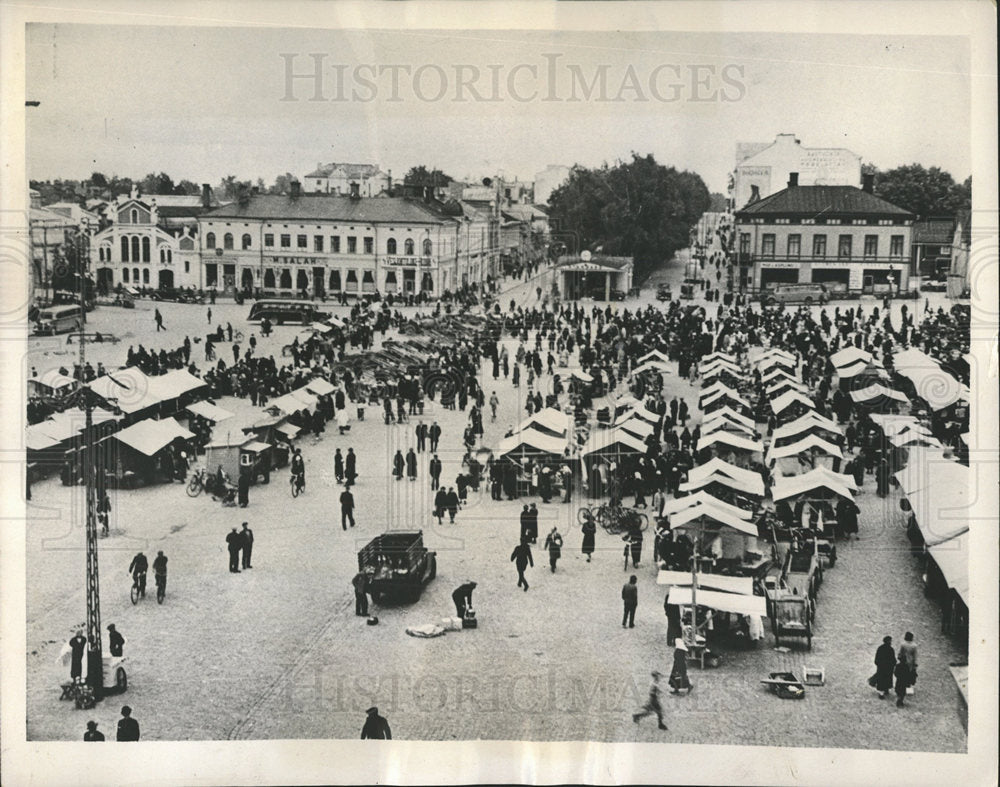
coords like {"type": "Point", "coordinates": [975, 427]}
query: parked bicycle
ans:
{"type": "Point", "coordinates": [614, 519]}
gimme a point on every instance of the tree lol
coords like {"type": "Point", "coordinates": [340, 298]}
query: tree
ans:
{"type": "Point", "coordinates": [187, 187]}
{"type": "Point", "coordinates": [924, 191]}
{"type": "Point", "coordinates": [421, 176]}
{"type": "Point", "coordinates": [717, 202]}
{"type": "Point", "coordinates": [638, 208]}
{"type": "Point", "coordinates": [160, 183]}
{"type": "Point", "coordinates": [282, 184]}
{"type": "Point", "coordinates": [97, 179]}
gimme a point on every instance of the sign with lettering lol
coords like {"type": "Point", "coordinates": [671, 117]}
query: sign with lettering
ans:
{"type": "Point", "coordinates": [408, 262]}
{"type": "Point", "coordinates": [755, 171]}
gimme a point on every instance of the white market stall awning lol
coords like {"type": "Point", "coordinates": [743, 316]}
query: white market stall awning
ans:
{"type": "Point", "coordinates": [54, 380]}
{"type": "Point", "coordinates": [656, 367]}
{"type": "Point", "coordinates": [730, 440]}
{"type": "Point", "coordinates": [778, 387]}
{"type": "Point", "coordinates": [952, 557]}
{"type": "Point", "coordinates": [725, 425]}
{"type": "Point", "coordinates": [149, 436]}
{"type": "Point", "coordinates": [612, 441]}
{"type": "Point", "coordinates": [174, 384]}
{"type": "Point", "coordinates": [707, 515]}
{"type": "Point", "coordinates": [721, 582]}
{"type": "Point", "coordinates": [636, 427]}
{"type": "Point", "coordinates": [938, 490]}
{"type": "Point", "coordinates": [209, 411]}
{"type": "Point", "coordinates": [729, 395]}
{"type": "Point", "coordinates": [876, 392]}
{"type": "Point", "coordinates": [805, 423]}
{"type": "Point", "coordinates": [777, 375]}
{"type": "Point", "coordinates": [718, 355]}
{"type": "Point", "coordinates": [786, 487]}
{"type": "Point", "coordinates": [549, 420]}
{"type": "Point", "coordinates": [808, 443]}
{"type": "Point", "coordinates": [850, 356]}
{"type": "Point", "coordinates": [736, 603]}
{"type": "Point", "coordinates": [913, 438]}
{"type": "Point", "coordinates": [127, 389]}
{"type": "Point", "coordinates": [648, 416]}
{"type": "Point", "coordinates": [531, 441]}
{"type": "Point", "coordinates": [789, 398]}
{"type": "Point", "coordinates": [932, 383]}
{"type": "Point", "coordinates": [758, 355]}
{"type": "Point", "coordinates": [720, 363]}
{"type": "Point", "coordinates": [655, 355]}
{"type": "Point", "coordinates": [720, 466]}
{"type": "Point", "coordinates": [320, 387]}
{"type": "Point", "coordinates": [674, 505]}
{"type": "Point", "coordinates": [728, 414]}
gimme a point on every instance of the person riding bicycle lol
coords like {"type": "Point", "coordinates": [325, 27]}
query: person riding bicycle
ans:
{"type": "Point", "coordinates": [298, 468]}
{"type": "Point", "coordinates": [160, 571]}
{"type": "Point", "coordinates": [138, 568]}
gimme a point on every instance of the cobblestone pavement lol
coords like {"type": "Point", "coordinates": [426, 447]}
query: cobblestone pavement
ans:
{"type": "Point", "coordinates": [277, 652]}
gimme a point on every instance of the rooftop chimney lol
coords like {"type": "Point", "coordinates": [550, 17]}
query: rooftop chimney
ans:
{"type": "Point", "coordinates": [868, 182]}
{"type": "Point", "coordinates": [294, 189]}
{"type": "Point", "coordinates": [206, 195]}
{"type": "Point", "coordinates": [243, 195]}
{"type": "Point", "coordinates": [793, 179]}
{"type": "Point", "coordinates": [355, 191]}
{"type": "Point", "coordinates": [388, 186]}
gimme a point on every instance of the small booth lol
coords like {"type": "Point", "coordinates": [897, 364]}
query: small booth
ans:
{"type": "Point", "coordinates": [803, 455]}
{"type": "Point", "coordinates": [726, 417]}
{"type": "Point", "coordinates": [810, 423]}
{"type": "Point", "coordinates": [202, 416]}
{"type": "Point", "coordinates": [239, 456]}
{"type": "Point", "coordinates": [596, 276]}
{"type": "Point", "coordinates": [790, 406]}
{"type": "Point", "coordinates": [734, 448]}
{"type": "Point", "coordinates": [144, 452]}
{"type": "Point", "coordinates": [51, 386]}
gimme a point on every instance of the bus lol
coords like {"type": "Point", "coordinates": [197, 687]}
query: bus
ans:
{"type": "Point", "coordinates": [282, 310]}
{"type": "Point", "coordinates": [57, 319]}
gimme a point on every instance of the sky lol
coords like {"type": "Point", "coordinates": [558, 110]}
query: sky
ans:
{"type": "Point", "coordinates": [202, 103]}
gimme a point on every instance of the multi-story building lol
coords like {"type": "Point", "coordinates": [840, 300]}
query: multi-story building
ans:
{"type": "Point", "coordinates": [841, 236]}
{"type": "Point", "coordinates": [763, 168]}
{"type": "Point", "coordinates": [47, 234]}
{"type": "Point", "coordinates": [150, 240]}
{"type": "Point", "coordinates": [341, 178]}
{"type": "Point", "coordinates": [325, 245]}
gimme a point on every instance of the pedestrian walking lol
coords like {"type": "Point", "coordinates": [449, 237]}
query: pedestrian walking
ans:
{"type": "Point", "coordinates": [243, 488]}
{"type": "Point", "coordinates": [434, 433]}
{"type": "Point", "coordinates": [589, 533]}
{"type": "Point", "coordinates": [462, 596]}
{"type": "Point", "coordinates": [246, 537]}
{"type": "Point", "coordinates": [376, 727]}
{"type": "Point", "coordinates": [679, 671]}
{"type": "Point", "coordinates": [908, 654]}
{"type": "Point", "coordinates": [440, 503]}
{"type": "Point", "coordinates": [116, 642]}
{"type": "Point", "coordinates": [521, 557]}
{"type": "Point", "coordinates": [128, 728]}
{"type": "Point", "coordinates": [885, 663]}
{"type": "Point", "coordinates": [553, 544]}
{"type": "Point", "coordinates": [902, 673]}
{"type": "Point", "coordinates": [346, 507]}
{"type": "Point", "coordinates": [159, 320]}
{"type": "Point", "coordinates": [209, 315]}
{"type": "Point", "coordinates": [451, 503]}
{"type": "Point", "coordinates": [398, 463]}
{"type": "Point", "coordinates": [350, 466]}
{"type": "Point", "coordinates": [653, 704]}
{"type": "Point", "coordinates": [360, 583]}
{"type": "Point", "coordinates": [93, 735]}
{"type": "Point", "coordinates": [421, 431]}
{"type": "Point", "coordinates": [630, 600]}
{"type": "Point", "coordinates": [233, 543]}
{"type": "Point", "coordinates": [411, 465]}
{"type": "Point", "coordinates": [338, 466]}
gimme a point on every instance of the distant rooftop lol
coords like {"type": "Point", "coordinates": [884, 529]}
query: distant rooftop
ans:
{"type": "Point", "coordinates": [323, 207]}
{"type": "Point", "coordinates": [826, 200]}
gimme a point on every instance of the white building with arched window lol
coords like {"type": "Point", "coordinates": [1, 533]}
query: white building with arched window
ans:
{"type": "Point", "coordinates": [151, 242]}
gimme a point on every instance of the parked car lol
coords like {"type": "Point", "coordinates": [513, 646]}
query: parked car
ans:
{"type": "Point", "coordinates": [795, 293]}
{"type": "Point", "coordinates": [398, 564]}
{"type": "Point", "coordinates": [58, 319]}
{"type": "Point", "coordinates": [934, 285]}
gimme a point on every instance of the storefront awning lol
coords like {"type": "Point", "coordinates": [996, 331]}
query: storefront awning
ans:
{"type": "Point", "coordinates": [209, 411]}
{"type": "Point", "coordinates": [149, 437]}
{"type": "Point", "coordinates": [720, 582]}
{"type": "Point", "coordinates": [736, 603]}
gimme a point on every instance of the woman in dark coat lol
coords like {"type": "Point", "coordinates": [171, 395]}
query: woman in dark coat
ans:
{"type": "Point", "coordinates": [589, 531]}
{"type": "Point", "coordinates": [885, 662]}
{"type": "Point", "coordinates": [411, 465]}
{"type": "Point", "coordinates": [679, 672]}
{"type": "Point", "coordinates": [397, 465]}
{"type": "Point", "coordinates": [903, 681]}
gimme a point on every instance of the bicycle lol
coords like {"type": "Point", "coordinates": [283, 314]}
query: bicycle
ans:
{"type": "Point", "coordinates": [297, 483]}
{"type": "Point", "coordinates": [161, 587]}
{"type": "Point", "coordinates": [138, 586]}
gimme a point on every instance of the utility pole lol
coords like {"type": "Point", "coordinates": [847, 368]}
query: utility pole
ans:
{"type": "Point", "coordinates": [95, 655]}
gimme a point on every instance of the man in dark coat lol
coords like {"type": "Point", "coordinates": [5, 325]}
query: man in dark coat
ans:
{"type": "Point", "coordinates": [128, 728]}
{"type": "Point", "coordinates": [630, 600]}
{"type": "Point", "coordinates": [440, 504]}
{"type": "Point", "coordinates": [525, 523]}
{"type": "Point", "coordinates": [451, 503]}
{"type": "Point", "coordinates": [115, 640]}
{"type": "Point", "coordinates": [246, 536]}
{"type": "Point", "coordinates": [350, 466]}
{"type": "Point", "coordinates": [77, 645]}
{"type": "Point", "coordinates": [434, 433]}
{"type": "Point", "coordinates": [462, 596]}
{"type": "Point", "coordinates": [338, 466]}
{"type": "Point", "coordinates": [411, 465]}
{"type": "Point", "coordinates": [533, 523]}
{"type": "Point", "coordinates": [243, 489]}
{"type": "Point", "coordinates": [553, 544]}
{"type": "Point", "coordinates": [234, 542]}
{"type": "Point", "coordinates": [92, 735]}
{"type": "Point", "coordinates": [435, 472]}
{"type": "Point", "coordinates": [398, 463]}
{"type": "Point", "coordinates": [421, 431]}
{"type": "Point", "coordinates": [522, 559]}
{"type": "Point", "coordinates": [360, 583]}
{"type": "Point", "coordinates": [885, 663]}
{"type": "Point", "coordinates": [346, 507]}
{"type": "Point", "coordinates": [376, 727]}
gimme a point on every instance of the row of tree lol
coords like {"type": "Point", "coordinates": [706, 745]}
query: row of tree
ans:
{"type": "Point", "coordinates": [637, 208]}
{"type": "Point", "coordinates": [926, 191]}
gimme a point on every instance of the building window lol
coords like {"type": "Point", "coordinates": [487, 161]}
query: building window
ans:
{"type": "Point", "coordinates": [317, 243]}
{"type": "Point", "coordinates": [187, 266]}
{"type": "Point", "coordinates": [896, 246]}
{"type": "Point", "coordinates": [427, 247]}
{"type": "Point", "coordinates": [125, 275]}
{"type": "Point", "coordinates": [125, 257]}
{"type": "Point", "coordinates": [871, 245]}
{"type": "Point", "coordinates": [352, 281]}
{"type": "Point", "coordinates": [369, 245]}
{"type": "Point", "coordinates": [335, 281]}
{"type": "Point", "coordinates": [145, 275]}
{"type": "Point", "coordinates": [247, 241]}
{"type": "Point", "coordinates": [390, 248]}
{"type": "Point", "coordinates": [744, 243]}
{"type": "Point", "coordinates": [302, 281]}
{"type": "Point", "coordinates": [227, 241]}
{"type": "Point", "coordinates": [767, 245]}
{"type": "Point", "coordinates": [135, 275]}
{"type": "Point", "coordinates": [269, 241]}
{"type": "Point", "coordinates": [844, 247]}
{"type": "Point", "coordinates": [134, 216]}
{"type": "Point", "coordinates": [819, 245]}
{"type": "Point", "coordinates": [427, 282]}
{"type": "Point", "coordinates": [352, 245]}
{"type": "Point", "coordinates": [136, 257]}
{"type": "Point", "coordinates": [368, 281]}
{"type": "Point", "coordinates": [794, 245]}
{"type": "Point", "coordinates": [145, 250]}
{"type": "Point", "coordinates": [408, 247]}
{"type": "Point", "coordinates": [269, 279]}
{"type": "Point", "coordinates": [210, 240]}
{"type": "Point", "coordinates": [163, 255]}
{"type": "Point", "coordinates": [286, 241]}
{"type": "Point", "coordinates": [390, 281]}
{"type": "Point", "coordinates": [335, 244]}
{"type": "Point", "coordinates": [302, 241]}
{"type": "Point", "coordinates": [286, 279]}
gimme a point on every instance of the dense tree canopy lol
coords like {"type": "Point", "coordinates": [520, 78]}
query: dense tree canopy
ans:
{"type": "Point", "coordinates": [637, 208]}
{"type": "Point", "coordinates": [924, 191]}
{"type": "Point", "coordinates": [422, 176]}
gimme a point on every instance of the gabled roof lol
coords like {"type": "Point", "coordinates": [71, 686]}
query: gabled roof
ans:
{"type": "Point", "coordinates": [823, 201]}
{"type": "Point", "coordinates": [328, 207]}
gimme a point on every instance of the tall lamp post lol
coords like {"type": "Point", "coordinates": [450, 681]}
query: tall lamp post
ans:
{"type": "Point", "coordinates": [95, 655]}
